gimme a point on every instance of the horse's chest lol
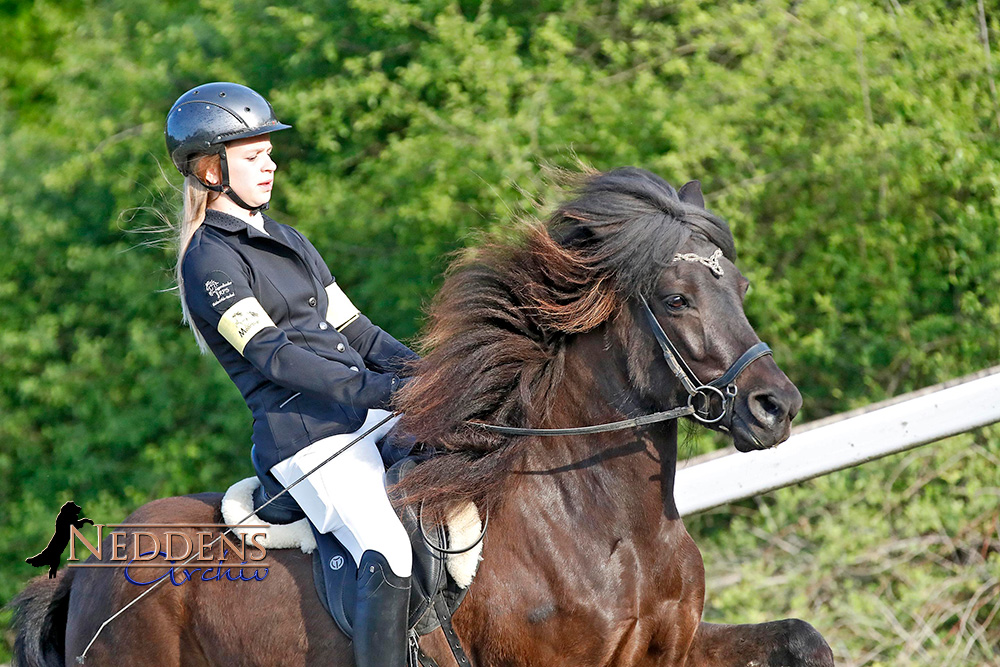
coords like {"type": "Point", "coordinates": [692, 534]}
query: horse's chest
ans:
{"type": "Point", "coordinates": [585, 603]}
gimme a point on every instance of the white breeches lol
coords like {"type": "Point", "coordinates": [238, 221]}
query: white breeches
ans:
{"type": "Point", "coordinates": [347, 496]}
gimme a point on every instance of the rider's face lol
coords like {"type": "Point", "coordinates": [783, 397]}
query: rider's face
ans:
{"type": "Point", "coordinates": [251, 169]}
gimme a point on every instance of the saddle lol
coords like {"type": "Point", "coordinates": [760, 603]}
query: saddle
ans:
{"type": "Point", "coordinates": [444, 556]}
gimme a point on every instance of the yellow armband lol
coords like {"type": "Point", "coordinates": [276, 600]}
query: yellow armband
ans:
{"type": "Point", "coordinates": [340, 312]}
{"type": "Point", "coordinates": [242, 322]}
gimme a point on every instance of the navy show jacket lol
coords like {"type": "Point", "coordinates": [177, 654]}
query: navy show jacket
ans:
{"type": "Point", "coordinates": [308, 364]}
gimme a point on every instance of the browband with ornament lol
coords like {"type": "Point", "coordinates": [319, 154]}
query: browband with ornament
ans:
{"type": "Point", "coordinates": [711, 262]}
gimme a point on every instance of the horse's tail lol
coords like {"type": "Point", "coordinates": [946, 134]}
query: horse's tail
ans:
{"type": "Point", "coordinates": [40, 621]}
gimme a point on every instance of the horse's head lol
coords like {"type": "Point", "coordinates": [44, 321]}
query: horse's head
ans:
{"type": "Point", "coordinates": [698, 302]}
{"type": "Point", "coordinates": [671, 262]}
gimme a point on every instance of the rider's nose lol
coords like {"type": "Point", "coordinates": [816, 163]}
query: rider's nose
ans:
{"type": "Point", "coordinates": [771, 407]}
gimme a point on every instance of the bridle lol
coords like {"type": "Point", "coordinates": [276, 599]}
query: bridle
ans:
{"type": "Point", "coordinates": [702, 396]}
{"type": "Point", "coordinates": [722, 387]}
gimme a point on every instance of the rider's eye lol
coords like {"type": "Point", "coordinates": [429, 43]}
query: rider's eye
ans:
{"type": "Point", "coordinates": [676, 302]}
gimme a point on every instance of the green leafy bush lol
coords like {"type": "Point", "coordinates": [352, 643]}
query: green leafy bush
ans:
{"type": "Point", "coordinates": [854, 148]}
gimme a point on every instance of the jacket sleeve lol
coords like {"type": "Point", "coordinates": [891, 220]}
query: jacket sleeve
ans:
{"type": "Point", "coordinates": [217, 291]}
{"type": "Point", "coordinates": [379, 349]}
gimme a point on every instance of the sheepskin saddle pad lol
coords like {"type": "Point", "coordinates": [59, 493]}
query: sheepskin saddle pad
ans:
{"type": "Point", "coordinates": [437, 573]}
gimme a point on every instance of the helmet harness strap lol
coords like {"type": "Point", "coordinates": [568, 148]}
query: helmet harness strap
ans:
{"type": "Point", "coordinates": [226, 189]}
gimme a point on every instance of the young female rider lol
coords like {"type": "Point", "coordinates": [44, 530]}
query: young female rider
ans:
{"type": "Point", "coordinates": [314, 371]}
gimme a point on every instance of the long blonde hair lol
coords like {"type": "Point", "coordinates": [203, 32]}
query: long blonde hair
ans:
{"type": "Point", "coordinates": [196, 200]}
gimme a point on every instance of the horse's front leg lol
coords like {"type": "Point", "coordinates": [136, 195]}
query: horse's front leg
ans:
{"type": "Point", "coordinates": [787, 643]}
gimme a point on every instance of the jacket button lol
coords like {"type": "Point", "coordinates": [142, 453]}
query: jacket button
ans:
{"type": "Point", "coordinates": [312, 301]}
{"type": "Point", "coordinates": [355, 369]}
{"type": "Point", "coordinates": [323, 325]}
{"type": "Point", "coordinates": [340, 347]}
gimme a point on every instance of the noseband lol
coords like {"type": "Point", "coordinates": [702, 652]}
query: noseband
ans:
{"type": "Point", "coordinates": [700, 394]}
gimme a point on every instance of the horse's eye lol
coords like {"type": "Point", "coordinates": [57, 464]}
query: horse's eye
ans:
{"type": "Point", "coordinates": [676, 302]}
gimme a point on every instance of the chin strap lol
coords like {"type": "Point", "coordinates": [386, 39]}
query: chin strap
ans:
{"type": "Point", "coordinates": [227, 189]}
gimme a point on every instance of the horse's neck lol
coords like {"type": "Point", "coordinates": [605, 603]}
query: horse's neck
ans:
{"type": "Point", "coordinates": [625, 476]}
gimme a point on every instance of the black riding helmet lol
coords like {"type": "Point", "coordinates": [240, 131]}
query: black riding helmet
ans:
{"type": "Point", "coordinates": [205, 118]}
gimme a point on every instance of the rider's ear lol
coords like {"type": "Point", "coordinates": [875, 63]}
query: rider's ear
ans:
{"type": "Point", "coordinates": [690, 193]}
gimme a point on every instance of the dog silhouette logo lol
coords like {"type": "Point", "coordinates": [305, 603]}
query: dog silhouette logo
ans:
{"type": "Point", "coordinates": [69, 515]}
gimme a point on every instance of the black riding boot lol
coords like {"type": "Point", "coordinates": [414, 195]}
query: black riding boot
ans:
{"type": "Point", "coordinates": [381, 614]}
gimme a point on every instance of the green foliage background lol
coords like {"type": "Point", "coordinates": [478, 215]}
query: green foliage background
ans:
{"type": "Point", "coordinates": [852, 145]}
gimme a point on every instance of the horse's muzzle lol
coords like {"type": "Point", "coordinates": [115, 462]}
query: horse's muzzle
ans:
{"type": "Point", "coordinates": [763, 418]}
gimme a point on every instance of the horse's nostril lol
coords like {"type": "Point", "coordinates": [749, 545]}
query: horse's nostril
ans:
{"type": "Point", "coordinates": [768, 408]}
{"type": "Point", "coordinates": [769, 404]}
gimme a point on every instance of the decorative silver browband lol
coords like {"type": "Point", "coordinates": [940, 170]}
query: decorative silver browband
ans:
{"type": "Point", "coordinates": [711, 262]}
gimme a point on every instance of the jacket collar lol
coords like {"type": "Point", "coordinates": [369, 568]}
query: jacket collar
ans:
{"type": "Point", "coordinates": [231, 223]}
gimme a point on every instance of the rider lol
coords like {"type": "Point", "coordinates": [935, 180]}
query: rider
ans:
{"type": "Point", "coordinates": [313, 370]}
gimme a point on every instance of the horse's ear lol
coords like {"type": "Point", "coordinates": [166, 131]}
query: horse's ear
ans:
{"type": "Point", "coordinates": [690, 193]}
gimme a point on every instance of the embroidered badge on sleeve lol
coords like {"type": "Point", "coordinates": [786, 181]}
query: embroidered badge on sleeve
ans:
{"type": "Point", "coordinates": [242, 322]}
{"type": "Point", "coordinates": [219, 288]}
{"type": "Point", "coordinates": [341, 311]}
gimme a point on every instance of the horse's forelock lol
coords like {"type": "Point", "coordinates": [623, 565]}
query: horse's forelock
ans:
{"type": "Point", "coordinates": [631, 222]}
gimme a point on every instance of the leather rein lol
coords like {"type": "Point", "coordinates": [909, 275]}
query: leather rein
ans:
{"type": "Point", "coordinates": [700, 394]}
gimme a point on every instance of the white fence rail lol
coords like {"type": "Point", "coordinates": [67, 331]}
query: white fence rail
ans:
{"type": "Point", "coordinates": [842, 442]}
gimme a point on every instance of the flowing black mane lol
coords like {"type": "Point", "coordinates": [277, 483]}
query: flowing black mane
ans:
{"type": "Point", "coordinates": [499, 326]}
